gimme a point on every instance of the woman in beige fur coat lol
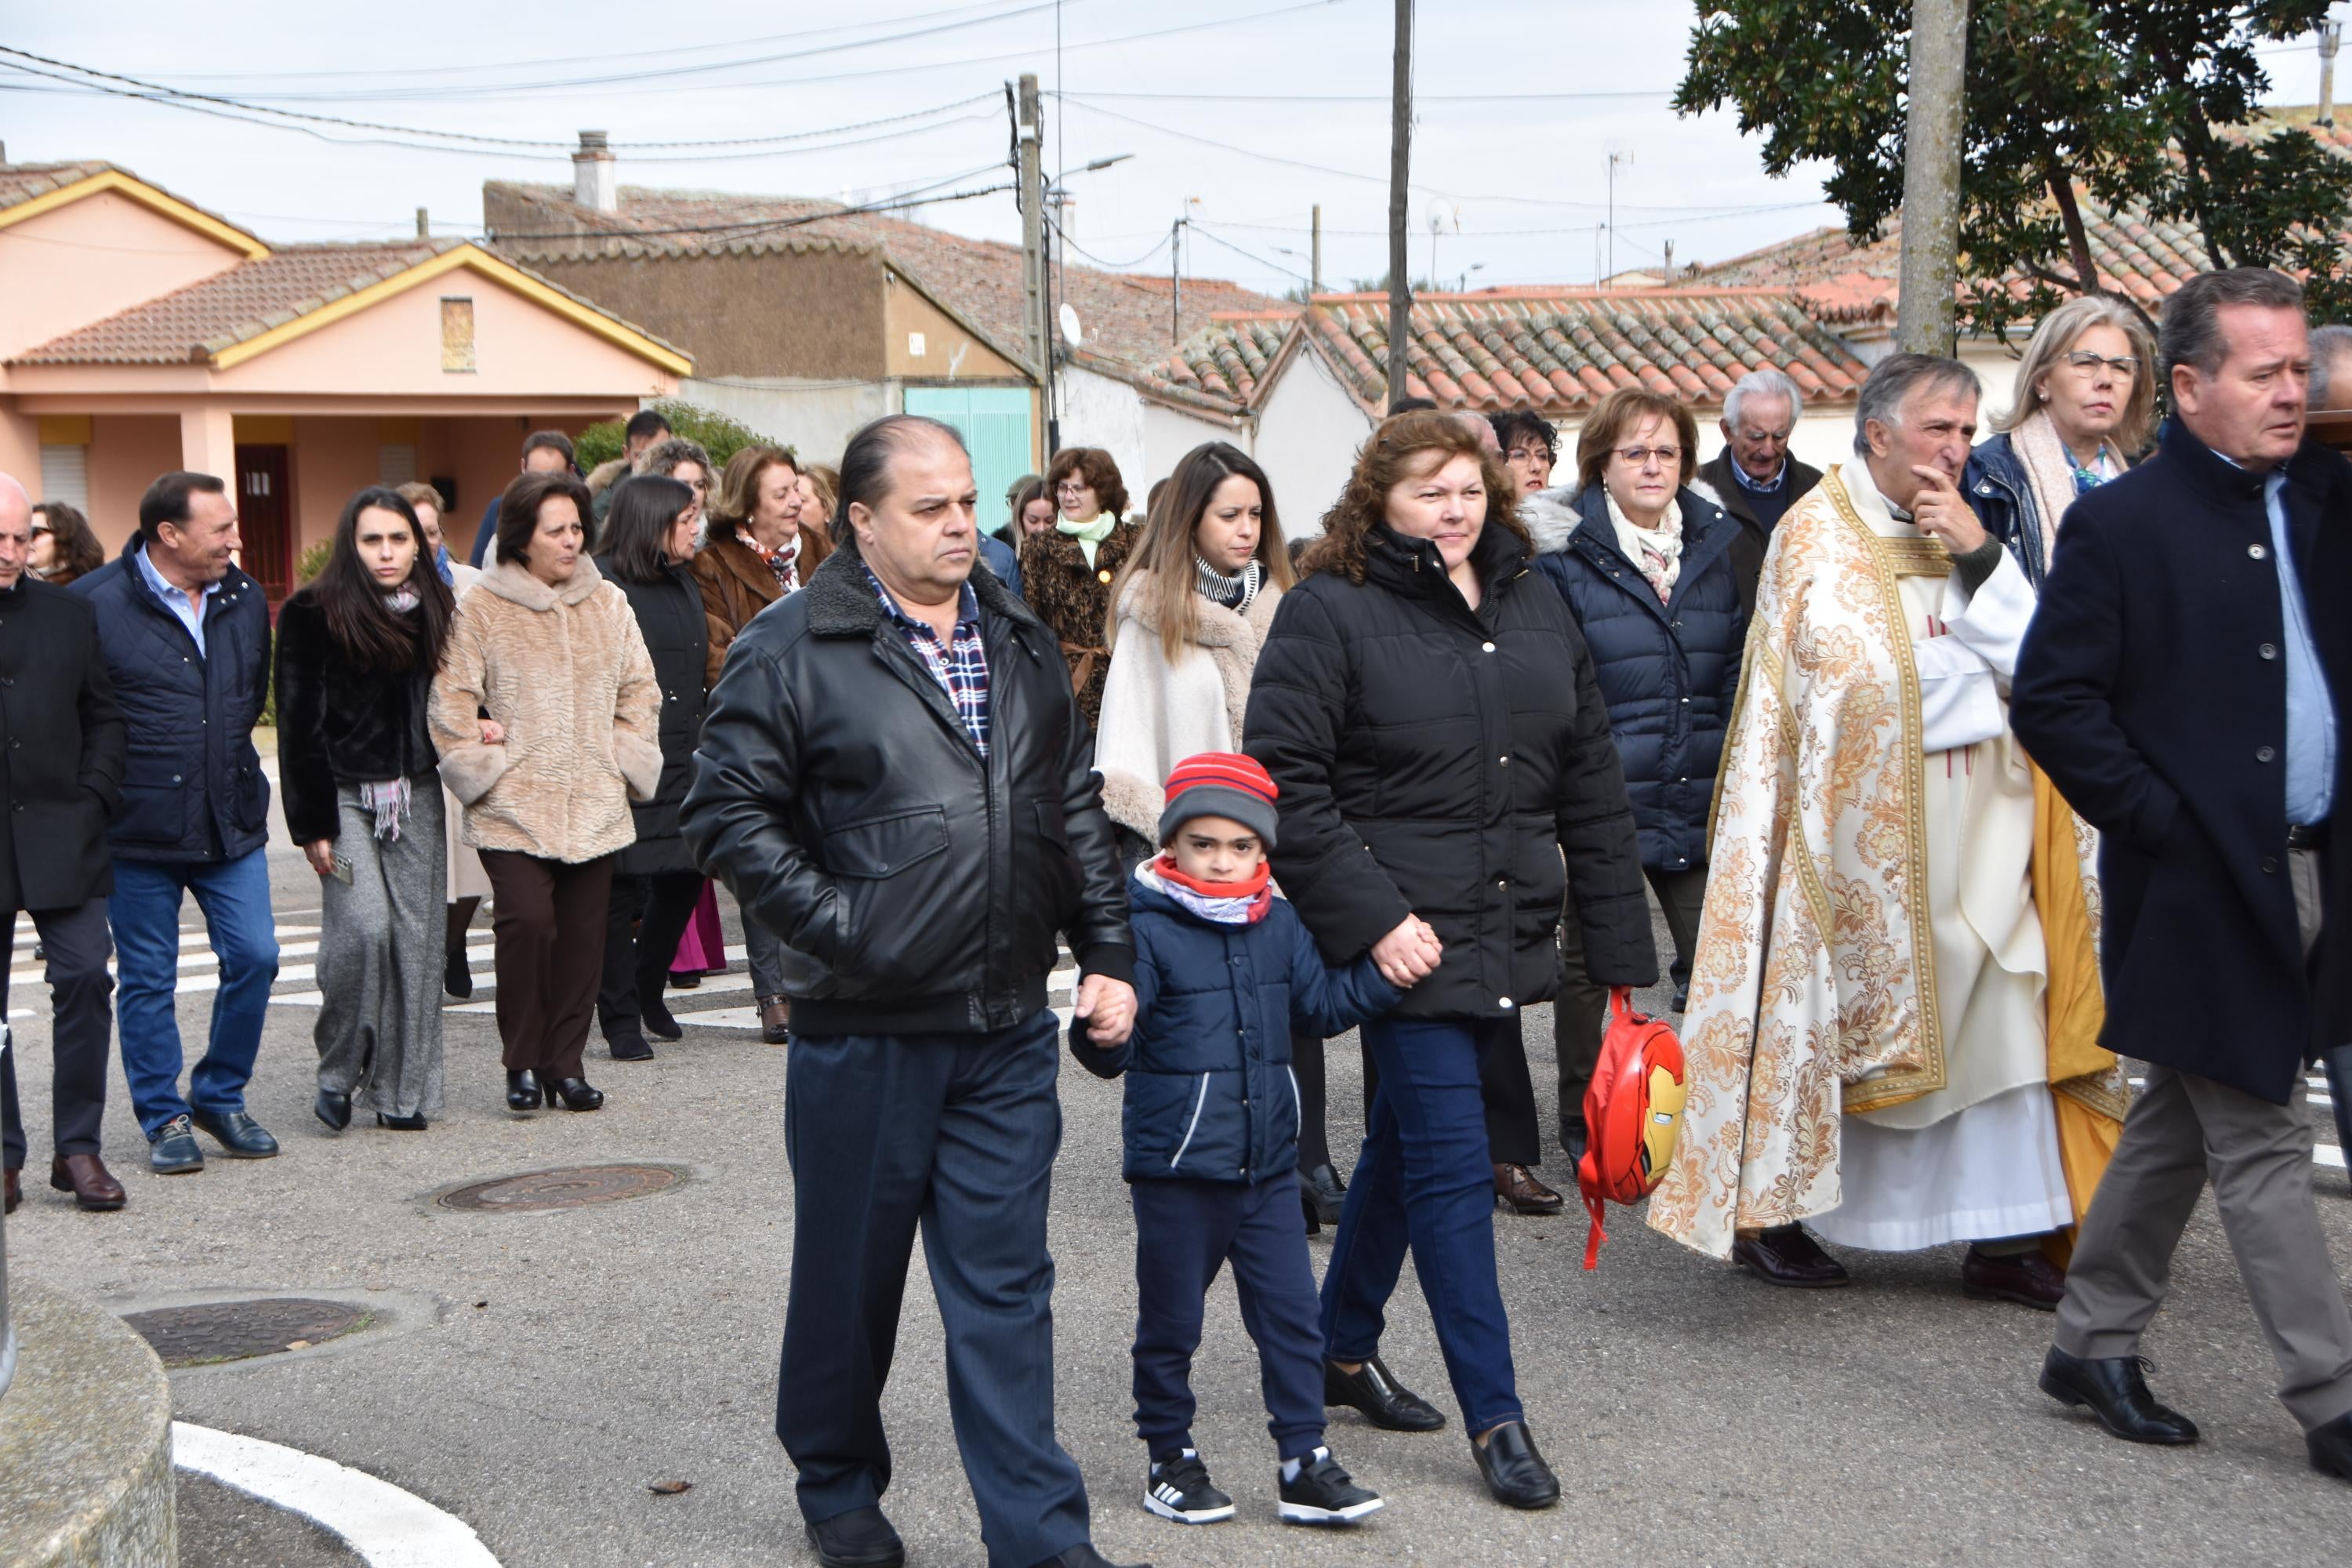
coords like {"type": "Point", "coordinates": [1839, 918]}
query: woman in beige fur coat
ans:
{"type": "Point", "coordinates": [546, 715]}
{"type": "Point", "coordinates": [1190, 610]}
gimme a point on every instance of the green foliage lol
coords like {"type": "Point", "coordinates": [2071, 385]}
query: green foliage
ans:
{"type": "Point", "coordinates": [719, 436]}
{"type": "Point", "coordinates": [311, 562]}
{"type": "Point", "coordinates": [2143, 104]}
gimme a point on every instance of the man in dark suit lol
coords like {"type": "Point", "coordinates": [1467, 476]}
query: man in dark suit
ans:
{"type": "Point", "coordinates": [61, 777]}
{"type": "Point", "coordinates": [1754, 477]}
{"type": "Point", "coordinates": [2183, 685]}
{"type": "Point", "coordinates": [895, 779]}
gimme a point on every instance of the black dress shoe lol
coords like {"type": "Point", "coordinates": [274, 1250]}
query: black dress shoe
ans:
{"type": "Point", "coordinates": [399, 1123]}
{"type": "Point", "coordinates": [660, 1022]}
{"type": "Point", "coordinates": [172, 1148]}
{"type": "Point", "coordinates": [1515, 1472]}
{"type": "Point", "coordinates": [1787, 1255]}
{"type": "Point", "coordinates": [1682, 999]}
{"type": "Point", "coordinates": [458, 974]}
{"type": "Point", "coordinates": [238, 1134]}
{"type": "Point", "coordinates": [629, 1047]}
{"type": "Point", "coordinates": [1084, 1555]}
{"type": "Point", "coordinates": [573, 1094]}
{"type": "Point", "coordinates": [1573, 1140]}
{"type": "Point", "coordinates": [1384, 1401]}
{"type": "Point", "coordinates": [1324, 1193]}
{"type": "Point", "coordinates": [522, 1090]}
{"type": "Point", "coordinates": [333, 1109]}
{"type": "Point", "coordinates": [2330, 1447]}
{"type": "Point", "coordinates": [2117, 1394]}
{"type": "Point", "coordinates": [861, 1538]}
{"type": "Point", "coordinates": [679, 980]}
{"type": "Point", "coordinates": [2029, 1279]}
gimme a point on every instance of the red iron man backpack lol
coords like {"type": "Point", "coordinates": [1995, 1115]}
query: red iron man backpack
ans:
{"type": "Point", "coordinates": [1632, 1112]}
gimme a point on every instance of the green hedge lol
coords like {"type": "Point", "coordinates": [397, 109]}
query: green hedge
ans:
{"type": "Point", "coordinates": [717, 433]}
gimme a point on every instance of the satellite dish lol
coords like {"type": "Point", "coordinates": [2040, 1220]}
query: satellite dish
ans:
{"type": "Point", "coordinates": [1069, 322]}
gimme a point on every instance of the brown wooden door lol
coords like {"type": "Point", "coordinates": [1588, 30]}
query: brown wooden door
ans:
{"type": "Point", "coordinates": [265, 516]}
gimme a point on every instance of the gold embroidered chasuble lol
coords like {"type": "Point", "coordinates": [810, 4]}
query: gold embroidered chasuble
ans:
{"type": "Point", "coordinates": [1814, 988]}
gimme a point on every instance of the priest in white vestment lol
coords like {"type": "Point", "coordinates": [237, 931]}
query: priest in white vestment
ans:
{"type": "Point", "coordinates": [1871, 1037]}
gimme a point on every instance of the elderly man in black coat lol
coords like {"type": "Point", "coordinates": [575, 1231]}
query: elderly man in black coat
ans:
{"type": "Point", "coordinates": [896, 780]}
{"type": "Point", "coordinates": [61, 775]}
{"type": "Point", "coordinates": [2183, 685]}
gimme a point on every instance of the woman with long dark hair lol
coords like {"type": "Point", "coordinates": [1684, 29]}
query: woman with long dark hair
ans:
{"type": "Point", "coordinates": [649, 544]}
{"type": "Point", "coordinates": [1428, 711]}
{"type": "Point", "coordinates": [357, 650]}
{"type": "Point", "coordinates": [64, 548]}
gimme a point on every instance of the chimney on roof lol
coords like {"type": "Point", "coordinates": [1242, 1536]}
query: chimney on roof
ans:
{"type": "Point", "coordinates": [594, 183]}
{"type": "Point", "coordinates": [424, 224]}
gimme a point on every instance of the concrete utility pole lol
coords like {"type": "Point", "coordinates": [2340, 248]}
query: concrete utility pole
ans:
{"type": "Point", "coordinates": [1399, 175]}
{"type": "Point", "coordinates": [1932, 134]}
{"type": "Point", "coordinates": [1037, 305]}
{"type": "Point", "coordinates": [1315, 263]}
{"type": "Point", "coordinates": [1176, 281]}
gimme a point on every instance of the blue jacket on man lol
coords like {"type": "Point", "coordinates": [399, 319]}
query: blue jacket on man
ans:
{"type": "Point", "coordinates": [1668, 672]}
{"type": "Point", "coordinates": [192, 785]}
{"type": "Point", "coordinates": [1209, 1095]}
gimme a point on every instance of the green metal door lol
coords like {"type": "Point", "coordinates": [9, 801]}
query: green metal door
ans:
{"type": "Point", "coordinates": [994, 424]}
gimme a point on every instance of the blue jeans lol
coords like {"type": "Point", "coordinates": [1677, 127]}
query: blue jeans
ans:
{"type": "Point", "coordinates": [1424, 1182]}
{"type": "Point", "coordinates": [144, 910]}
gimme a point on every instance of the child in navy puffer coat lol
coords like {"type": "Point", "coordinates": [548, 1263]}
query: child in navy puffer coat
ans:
{"type": "Point", "coordinates": [1223, 970]}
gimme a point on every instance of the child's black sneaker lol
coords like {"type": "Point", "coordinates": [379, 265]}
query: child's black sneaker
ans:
{"type": "Point", "coordinates": [1178, 1487]}
{"type": "Point", "coordinates": [1323, 1493]}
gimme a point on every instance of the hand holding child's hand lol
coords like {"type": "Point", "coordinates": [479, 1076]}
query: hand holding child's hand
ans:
{"type": "Point", "coordinates": [1106, 1007]}
{"type": "Point", "coordinates": [1410, 953]}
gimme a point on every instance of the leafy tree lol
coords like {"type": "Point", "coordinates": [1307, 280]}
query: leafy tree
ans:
{"type": "Point", "coordinates": [719, 436]}
{"type": "Point", "coordinates": [2147, 105]}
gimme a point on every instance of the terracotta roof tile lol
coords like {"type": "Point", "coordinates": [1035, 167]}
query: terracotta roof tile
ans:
{"type": "Point", "coordinates": [23, 181]}
{"type": "Point", "coordinates": [1122, 316]}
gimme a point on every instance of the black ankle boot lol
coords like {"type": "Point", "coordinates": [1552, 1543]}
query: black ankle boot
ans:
{"type": "Point", "coordinates": [522, 1090]}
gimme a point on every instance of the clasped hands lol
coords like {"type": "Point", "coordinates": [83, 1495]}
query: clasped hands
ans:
{"type": "Point", "coordinates": [1410, 953]}
{"type": "Point", "coordinates": [1107, 1006]}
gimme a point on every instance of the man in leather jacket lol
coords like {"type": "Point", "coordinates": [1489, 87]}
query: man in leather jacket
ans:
{"type": "Point", "coordinates": [894, 778]}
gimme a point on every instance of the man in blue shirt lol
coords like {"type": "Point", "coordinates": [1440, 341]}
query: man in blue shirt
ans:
{"type": "Point", "coordinates": [2182, 685]}
{"type": "Point", "coordinates": [186, 636]}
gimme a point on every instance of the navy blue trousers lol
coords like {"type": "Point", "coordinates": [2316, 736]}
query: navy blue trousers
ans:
{"type": "Point", "coordinates": [1185, 1232]}
{"type": "Point", "coordinates": [954, 1134]}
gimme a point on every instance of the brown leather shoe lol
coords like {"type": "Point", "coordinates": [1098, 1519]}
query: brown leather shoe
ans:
{"type": "Point", "coordinates": [86, 1177]}
{"type": "Point", "coordinates": [2029, 1279]}
{"type": "Point", "coordinates": [1517, 1186]}
{"type": "Point", "coordinates": [1787, 1255]}
{"type": "Point", "coordinates": [775, 1019]}
{"type": "Point", "coordinates": [12, 1191]}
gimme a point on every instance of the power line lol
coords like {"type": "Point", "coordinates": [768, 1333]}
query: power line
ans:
{"type": "Point", "coordinates": [1271, 100]}
{"type": "Point", "coordinates": [1063, 235]}
{"type": "Point", "coordinates": [1213, 238]}
{"type": "Point", "coordinates": [750, 228]}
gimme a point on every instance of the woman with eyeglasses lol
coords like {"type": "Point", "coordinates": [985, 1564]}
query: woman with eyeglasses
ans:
{"type": "Point", "coordinates": [1066, 571]}
{"type": "Point", "coordinates": [2084, 405]}
{"type": "Point", "coordinates": [1644, 559]}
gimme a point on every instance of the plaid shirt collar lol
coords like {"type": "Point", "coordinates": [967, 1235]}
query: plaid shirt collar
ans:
{"type": "Point", "coordinates": [960, 665]}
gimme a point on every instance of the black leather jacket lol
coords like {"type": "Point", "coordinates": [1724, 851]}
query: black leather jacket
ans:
{"type": "Point", "coordinates": [917, 886]}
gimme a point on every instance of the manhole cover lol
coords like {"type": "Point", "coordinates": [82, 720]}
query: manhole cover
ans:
{"type": "Point", "coordinates": [237, 1331]}
{"type": "Point", "coordinates": [568, 1189]}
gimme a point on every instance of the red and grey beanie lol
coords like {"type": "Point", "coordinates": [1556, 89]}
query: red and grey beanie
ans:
{"type": "Point", "coordinates": [1220, 784]}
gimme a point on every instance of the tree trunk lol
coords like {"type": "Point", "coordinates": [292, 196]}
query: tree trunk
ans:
{"type": "Point", "coordinates": [1932, 131]}
{"type": "Point", "coordinates": [1400, 174]}
{"type": "Point", "coordinates": [2078, 243]}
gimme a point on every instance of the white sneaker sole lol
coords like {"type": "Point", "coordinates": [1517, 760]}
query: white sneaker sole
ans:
{"type": "Point", "coordinates": [1303, 1513]}
{"type": "Point", "coordinates": [1198, 1516]}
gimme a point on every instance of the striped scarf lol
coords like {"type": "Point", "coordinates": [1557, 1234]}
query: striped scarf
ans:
{"type": "Point", "coordinates": [1234, 593]}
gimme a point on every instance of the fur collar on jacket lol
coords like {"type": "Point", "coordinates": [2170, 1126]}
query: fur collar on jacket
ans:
{"type": "Point", "coordinates": [512, 581]}
{"type": "Point", "coordinates": [1552, 515]}
{"type": "Point", "coordinates": [842, 604]}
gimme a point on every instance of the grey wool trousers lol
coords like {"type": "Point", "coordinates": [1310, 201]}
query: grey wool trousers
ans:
{"type": "Point", "coordinates": [2182, 1130]}
{"type": "Point", "coordinates": [381, 958]}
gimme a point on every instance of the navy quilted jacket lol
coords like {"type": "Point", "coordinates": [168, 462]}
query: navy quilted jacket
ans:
{"type": "Point", "coordinates": [1210, 1096]}
{"type": "Point", "coordinates": [1667, 673]}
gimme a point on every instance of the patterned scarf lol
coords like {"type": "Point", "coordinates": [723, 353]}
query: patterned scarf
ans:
{"type": "Point", "coordinates": [2053, 475]}
{"type": "Point", "coordinates": [1658, 551]}
{"type": "Point", "coordinates": [784, 561]}
{"type": "Point", "coordinates": [389, 799]}
{"type": "Point", "coordinates": [1224, 903]}
{"type": "Point", "coordinates": [1234, 593]}
{"type": "Point", "coordinates": [1089, 535]}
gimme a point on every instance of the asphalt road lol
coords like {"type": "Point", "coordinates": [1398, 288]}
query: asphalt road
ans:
{"type": "Point", "coordinates": [534, 1374]}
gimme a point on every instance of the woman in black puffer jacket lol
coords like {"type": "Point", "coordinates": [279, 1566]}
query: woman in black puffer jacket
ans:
{"type": "Point", "coordinates": [1644, 561]}
{"type": "Point", "coordinates": [649, 544]}
{"type": "Point", "coordinates": [1427, 706]}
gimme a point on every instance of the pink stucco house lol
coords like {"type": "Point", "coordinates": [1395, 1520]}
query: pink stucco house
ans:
{"type": "Point", "coordinates": [140, 333]}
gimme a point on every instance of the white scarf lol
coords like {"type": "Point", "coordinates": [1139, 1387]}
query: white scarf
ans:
{"type": "Point", "coordinates": [1658, 551]}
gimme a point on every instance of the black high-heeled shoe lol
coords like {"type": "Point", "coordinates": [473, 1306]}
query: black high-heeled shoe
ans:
{"type": "Point", "coordinates": [457, 973]}
{"type": "Point", "coordinates": [1323, 1193]}
{"type": "Point", "coordinates": [333, 1109]}
{"type": "Point", "coordinates": [573, 1094]}
{"type": "Point", "coordinates": [522, 1090]}
{"type": "Point", "coordinates": [400, 1123]}
{"type": "Point", "coordinates": [659, 1021]}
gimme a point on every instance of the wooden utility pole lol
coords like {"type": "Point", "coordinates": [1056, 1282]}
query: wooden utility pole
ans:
{"type": "Point", "coordinates": [1033, 240]}
{"type": "Point", "coordinates": [1399, 175]}
{"type": "Point", "coordinates": [1932, 134]}
{"type": "Point", "coordinates": [1315, 254]}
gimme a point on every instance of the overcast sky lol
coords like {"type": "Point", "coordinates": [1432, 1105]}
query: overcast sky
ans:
{"type": "Point", "coordinates": [1519, 185]}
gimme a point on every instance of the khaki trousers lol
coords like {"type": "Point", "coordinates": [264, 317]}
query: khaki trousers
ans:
{"type": "Point", "coordinates": [2182, 1131]}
